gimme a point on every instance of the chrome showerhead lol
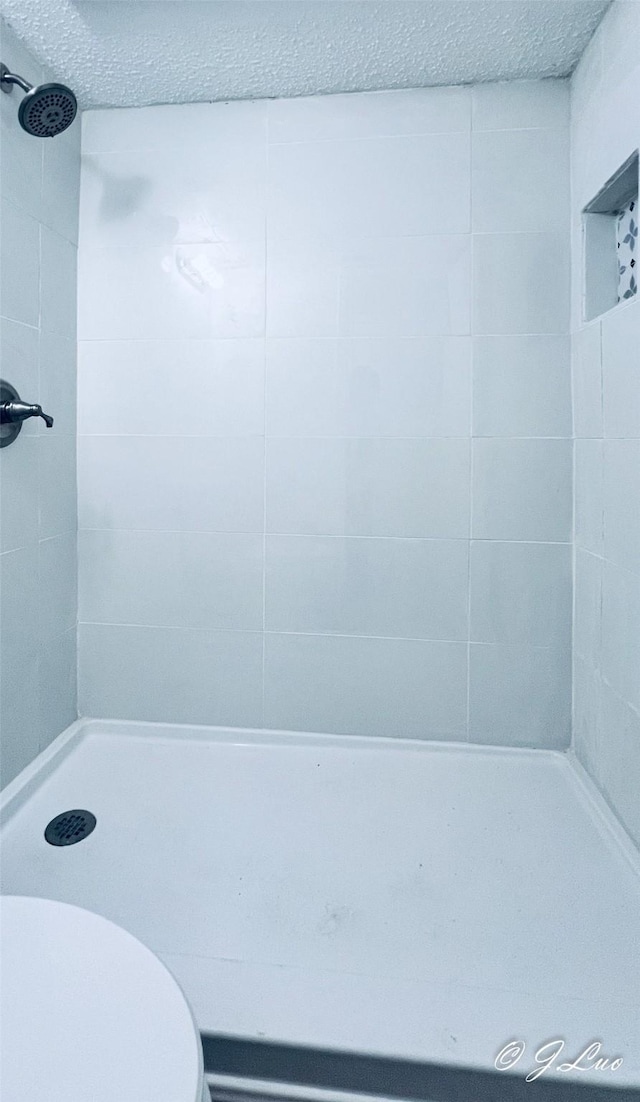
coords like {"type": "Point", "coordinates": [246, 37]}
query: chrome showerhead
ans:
{"type": "Point", "coordinates": [46, 110]}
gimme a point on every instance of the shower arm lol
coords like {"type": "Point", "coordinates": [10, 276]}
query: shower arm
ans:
{"type": "Point", "coordinates": [7, 79]}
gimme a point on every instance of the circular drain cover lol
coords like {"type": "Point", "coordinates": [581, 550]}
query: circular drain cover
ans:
{"type": "Point", "coordinates": [69, 827]}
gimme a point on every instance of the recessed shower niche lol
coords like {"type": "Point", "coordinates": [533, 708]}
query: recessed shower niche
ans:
{"type": "Point", "coordinates": [611, 242]}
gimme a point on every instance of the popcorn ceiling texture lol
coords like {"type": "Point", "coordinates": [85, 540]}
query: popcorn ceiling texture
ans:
{"type": "Point", "coordinates": [135, 52]}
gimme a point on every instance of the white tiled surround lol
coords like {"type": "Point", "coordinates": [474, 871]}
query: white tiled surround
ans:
{"type": "Point", "coordinates": [324, 414]}
{"type": "Point", "coordinates": [39, 186]}
{"type": "Point", "coordinates": [606, 395]}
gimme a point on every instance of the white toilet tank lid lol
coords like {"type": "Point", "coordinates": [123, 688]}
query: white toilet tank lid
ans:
{"type": "Point", "coordinates": [88, 1013]}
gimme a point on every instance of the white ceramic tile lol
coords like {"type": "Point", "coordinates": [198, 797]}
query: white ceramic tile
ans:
{"type": "Point", "coordinates": [390, 687]}
{"type": "Point", "coordinates": [21, 163]}
{"type": "Point", "coordinates": [368, 487]}
{"type": "Point", "coordinates": [20, 273]}
{"type": "Point", "coordinates": [621, 371]}
{"type": "Point", "coordinates": [19, 635]}
{"type": "Point", "coordinates": [38, 585]}
{"type": "Point", "coordinates": [619, 765]}
{"type": "Point", "coordinates": [210, 194]}
{"type": "Point", "coordinates": [585, 92]}
{"type": "Point", "coordinates": [609, 136]}
{"type": "Point", "coordinates": [57, 585]}
{"type": "Point", "coordinates": [578, 298]}
{"type": "Point", "coordinates": [588, 502]}
{"type": "Point", "coordinates": [616, 43]}
{"type": "Point", "coordinates": [174, 292]}
{"type": "Point", "coordinates": [384, 587]}
{"type": "Point", "coordinates": [368, 115]}
{"type": "Point", "coordinates": [17, 57]}
{"type": "Point", "coordinates": [176, 388]}
{"type": "Point", "coordinates": [167, 184]}
{"type": "Point", "coordinates": [376, 287]}
{"type": "Point", "coordinates": [521, 283]}
{"type": "Point", "coordinates": [171, 579]}
{"type": "Point", "coordinates": [61, 188]}
{"type": "Point", "coordinates": [18, 709]}
{"type": "Point", "coordinates": [177, 127]}
{"type": "Point", "coordinates": [417, 387]}
{"type": "Point", "coordinates": [58, 288]}
{"type": "Point", "coordinates": [586, 714]}
{"type": "Point", "coordinates": [521, 593]}
{"type": "Point", "coordinates": [19, 493]}
{"type": "Point", "coordinates": [383, 187]}
{"type": "Point", "coordinates": [303, 283]}
{"type": "Point", "coordinates": [19, 358]}
{"type": "Point", "coordinates": [195, 484]}
{"type": "Point", "coordinates": [621, 632]}
{"type": "Point", "coordinates": [521, 386]}
{"type": "Point", "coordinates": [520, 180]}
{"type": "Point", "coordinates": [58, 382]}
{"type": "Point", "coordinates": [405, 287]}
{"type": "Point", "coordinates": [587, 381]}
{"type": "Point", "coordinates": [605, 132]}
{"type": "Point", "coordinates": [57, 686]}
{"type": "Point", "coordinates": [622, 502]}
{"type": "Point", "coordinates": [588, 606]}
{"type": "Point", "coordinates": [171, 675]}
{"type": "Point", "coordinates": [19, 599]}
{"type": "Point", "coordinates": [57, 484]}
{"type": "Point", "coordinates": [512, 105]}
{"type": "Point", "coordinates": [522, 490]}
{"type": "Point", "coordinates": [520, 696]}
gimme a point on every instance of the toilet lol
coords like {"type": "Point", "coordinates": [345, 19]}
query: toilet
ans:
{"type": "Point", "coordinates": [88, 1013]}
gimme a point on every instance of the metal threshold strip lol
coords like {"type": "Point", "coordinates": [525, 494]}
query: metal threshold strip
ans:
{"type": "Point", "coordinates": [256, 1071]}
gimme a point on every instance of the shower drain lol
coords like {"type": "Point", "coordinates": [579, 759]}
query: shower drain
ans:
{"type": "Point", "coordinates": [69, 827]}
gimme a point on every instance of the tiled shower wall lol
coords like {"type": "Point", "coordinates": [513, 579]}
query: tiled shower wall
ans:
{"type": "Point", "coordinates": [39, 184]}
{"type": "Point", "coordinates": [606, 368]}
{"type": "Point", "coordinates": [324, 414]}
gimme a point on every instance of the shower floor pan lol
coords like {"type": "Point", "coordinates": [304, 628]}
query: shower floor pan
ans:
{"type": "Point", "coordinates": [422, 903]}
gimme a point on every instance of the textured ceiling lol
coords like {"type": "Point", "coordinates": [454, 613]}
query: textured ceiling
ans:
{"type": "Point", "coordinates": [135, 52]}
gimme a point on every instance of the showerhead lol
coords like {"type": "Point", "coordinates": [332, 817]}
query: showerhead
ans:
{"type": "Point", "coordinates": [46, 110]}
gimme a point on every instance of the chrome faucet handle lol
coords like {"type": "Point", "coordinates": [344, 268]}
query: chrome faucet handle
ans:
{"type": "Point", "coordinates": [13, 412]}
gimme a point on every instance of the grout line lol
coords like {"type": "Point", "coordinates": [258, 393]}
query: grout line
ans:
{"type": "Point", "coordinates": [601, 358]}
{"type": "Point", "coordinates": [471, 495]}
{"type": "Point", "coordinates": [17, 321]}
{"type": "Point", "coordinates": [315, 338]}
{"type": "Point", "coordinates": [264, 422]}
{"type": "Point", "coordinates": [338, 242]}
{"type": "Point", "coordinates": [454, 132]}
{"type": "Point", "coordinates": [459, 642]}
{"type": "Point", "coordinates": [471, 445]}
{"type": "Point", "coordinates": [38, 434]}
{"type": "Point", "coordinates": [58, 536]}
{"type": "Point", "coordinates": [324, 536]}
{"type": "Point", "coordinates": [378, 439]}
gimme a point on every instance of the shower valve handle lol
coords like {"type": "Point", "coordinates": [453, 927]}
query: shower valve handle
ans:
{"type": "Point", "coordinates": [12, 413]}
